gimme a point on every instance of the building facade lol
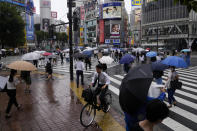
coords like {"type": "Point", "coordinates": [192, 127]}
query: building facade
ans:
{"type": "Point", "coordinates": [168, 25]}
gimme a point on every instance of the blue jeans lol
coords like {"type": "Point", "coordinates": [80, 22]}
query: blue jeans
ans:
{"type": "Point", "coordinates": [171, 95]}
{"type": "Point", "coordinates": [159, 81]}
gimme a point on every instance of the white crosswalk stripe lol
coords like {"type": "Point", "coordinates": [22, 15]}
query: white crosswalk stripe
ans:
{"type": "Point", "coordinates": [65, 68]}
{"type": "Point", "coordinates": [187, 98]}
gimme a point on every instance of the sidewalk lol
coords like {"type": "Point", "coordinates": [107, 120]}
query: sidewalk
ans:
{"type": "Point", "coordinates": [51, 106]}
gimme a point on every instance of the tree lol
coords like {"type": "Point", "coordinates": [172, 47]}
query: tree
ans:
{"type": "Point", "coordinates": [191, 4]}
{"type": "Point", "coordinates": [37, 27]}
{"type": "Point", "coordinates": [12, 26]}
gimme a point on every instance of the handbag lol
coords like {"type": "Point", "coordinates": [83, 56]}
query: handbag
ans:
{"type": "Point", "coordinates": [176, 84]}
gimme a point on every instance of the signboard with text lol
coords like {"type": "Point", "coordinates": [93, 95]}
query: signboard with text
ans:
{"type": "Point", "coordinates": [136, 2]}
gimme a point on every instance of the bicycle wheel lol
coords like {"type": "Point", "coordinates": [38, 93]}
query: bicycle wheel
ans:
{"type": "Point", "coordinates": [87, 115]}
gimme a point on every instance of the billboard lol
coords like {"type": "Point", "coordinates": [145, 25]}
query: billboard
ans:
{"type": "Point", "coordinates": [29, 27]}
{"type": "Point", "coordinates": [112, 10]}
{"type": "Point", "coordinates": [46, 3]}
{"type": "Point", "coordinates": [136, 2]}
{"type": "Point", "coordinates": [45, 24]}
{"type": "Point", "coordinates": [16, 2]}
{"type": "Point", "coordinates": [115, 29]}
{"type": "Point", "coordinates": [101, 29]}
{"type": "Point", "coordinates": [82, 13]}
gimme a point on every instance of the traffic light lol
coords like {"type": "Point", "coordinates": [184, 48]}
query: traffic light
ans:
{"type": "Point", "coordinates": [75, 21]}
{"type": "Point", "coordinates": [73, 4]}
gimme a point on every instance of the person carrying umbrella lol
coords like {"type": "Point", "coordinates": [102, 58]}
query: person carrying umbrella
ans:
{"type": "Point", "coordinates": [11, 92]}
{"type": "Point", "coordinates": [172, 76]}
{"type": "Point", "coordinates": [79, 66]}
{"type": "Point", "coordinates": [25, 75]}
{"type": "Point", "coordinates": [62, 58]}
{"type": "Point", "coordinates": [156, 112]}
{"type": "Point", "coordinates": [88, 62]}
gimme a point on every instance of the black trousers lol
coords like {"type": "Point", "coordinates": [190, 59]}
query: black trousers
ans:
{"type": "Point", "coordinates": [88, 64]}
{"type": "Point", "coordinates": [12, 100]}
{"type": "Point", "coordinates": [102, 93]}
{"type": "Point", "coordinates": [79, 73]}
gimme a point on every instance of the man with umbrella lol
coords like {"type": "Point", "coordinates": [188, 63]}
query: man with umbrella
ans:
{"type": "Point", "coordinates": [134, 94]}
{"type": "Point", "coordinates": [79, 66]}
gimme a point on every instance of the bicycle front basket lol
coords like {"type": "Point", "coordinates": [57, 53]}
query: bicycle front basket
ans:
{"type": "Point", "coordinates": [87, 95]}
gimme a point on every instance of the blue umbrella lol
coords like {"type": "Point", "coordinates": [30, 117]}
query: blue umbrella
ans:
{"type": "Point", "coordinates": [175, 61]}
{"type": "Point", "coordinates": [158, 66]}
{"type": "Point", "coordinates": [186, 50]}
{"type": "Point", "coordinates": [151, 54]}
{"type": "Point", "coordinates": [88, 53]}
{"type": "Point", "coordinates": [127, 59]}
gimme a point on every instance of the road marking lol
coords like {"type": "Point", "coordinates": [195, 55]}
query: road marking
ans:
{"type": "Point", "coordinates": [105, 120]}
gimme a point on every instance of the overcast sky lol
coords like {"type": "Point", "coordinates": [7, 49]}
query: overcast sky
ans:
{"type": "Point", "coordinates": [60, 6]}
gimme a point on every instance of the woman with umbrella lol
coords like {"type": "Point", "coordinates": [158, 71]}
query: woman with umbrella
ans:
{"type": "Point", "coordinates": [172, 76]}
{"type": "Point", "coordinates": [11, 92]}
{"type": "Point", "coordinates": [49, 70]}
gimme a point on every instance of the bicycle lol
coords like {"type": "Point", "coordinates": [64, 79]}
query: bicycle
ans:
{"type": "Point", "coordinates": [88, 112]}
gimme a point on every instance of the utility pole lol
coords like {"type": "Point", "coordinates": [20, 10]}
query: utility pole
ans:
{"type": "Point", "coordinates": [70, 40]}
{"type": "Point", "coordinates": [157, 39]}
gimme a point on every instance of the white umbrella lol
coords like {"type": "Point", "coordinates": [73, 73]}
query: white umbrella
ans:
{"type": "Point", "coordinates": [106, 60]}
{"type": "Point", "coordinates": [31, 56]}
{"type": "Point", "coordinates": [66, 50]}
{"type": "Point", "coordinates": [139, 49]}
{"type": "Point", "coordinates": [39, 52]}
{"type": "Point", "coordinates": [3, 50]}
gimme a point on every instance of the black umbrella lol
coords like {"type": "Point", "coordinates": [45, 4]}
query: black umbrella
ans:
{"type": "Point", "coordinates": [134, 88]}
{"type": "Point", "coordinates": [78, 55]}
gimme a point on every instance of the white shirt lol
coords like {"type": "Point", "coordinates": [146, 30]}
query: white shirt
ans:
{"type": "Point", "coordinates": [103, 78]}
{"type": "Point", "coordinates": [79, 66]}
{"type": "Point", "coordinates": [155, 90]}
{"type": "Point", "coordinates": [142, 58]}
{"type": "Point", "coordinates": [12, 85]}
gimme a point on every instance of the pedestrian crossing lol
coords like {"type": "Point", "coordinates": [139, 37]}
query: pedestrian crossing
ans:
{"type": "Point", "coordinates": [65, 68]}
{"type": "Point", "coordinates": [183, 117]}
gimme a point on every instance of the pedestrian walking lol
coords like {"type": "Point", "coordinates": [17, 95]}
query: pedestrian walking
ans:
{"type": "Point", "coordinates": [62, 58]}
{"type": "Point", "coordinates": [187, 59]}
{"type": "Point", "coordinates": [116, 56]}
{"type": "Point", "coordinates": [35, 62]}
{"type": "Point", "coordinates": [49, 70]}
{"type": "Point", "coordinates": [120, 55]}
{"type": "Point", "coordinates": [127, 67]}
{"type": "Point", "coordinates": [67, 56]}
{"type": "Point", "coordinates": [172, 76]}
{"type": "Point", "coordinates": [138, 56]}
{"type": "Point", "coordinates": [104, 67]}
{"type": "Point", "coordinates": [156, 112]}
{"type": "Point", "coordinates": [0, 54]}
{"type": "Point", "coordinates": [11, 92]}
{"type": "Point", "coordinates": [142, 61]}
{"type": "Point", "coordinates": [88, 62]}
{"type": "Point", "coordinates": [25, 75]}
{"type": "Point", "coordinates": [79, 66]}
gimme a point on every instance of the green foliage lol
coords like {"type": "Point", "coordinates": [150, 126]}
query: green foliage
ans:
{"type": "Point", "coordinates": [191, 4]}
{"type": "Point", "coordinates": [12, 26]}
{"type": "Point", "coordinates": [37, 27]}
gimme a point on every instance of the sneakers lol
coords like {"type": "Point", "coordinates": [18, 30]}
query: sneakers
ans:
{"type": "Point", "coordinates": [19, 107]}
{"type": "Point", "coordinates": [106, 108]}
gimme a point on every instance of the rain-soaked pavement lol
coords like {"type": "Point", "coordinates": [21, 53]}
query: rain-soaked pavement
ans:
{"type": "Point", "coordinates": [52, 106]}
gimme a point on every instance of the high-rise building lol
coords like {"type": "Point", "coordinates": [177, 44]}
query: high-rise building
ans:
{"type": "Point", "coordinates": [45, 14]}
{"type": "Point", "coordinates": [167, 24]}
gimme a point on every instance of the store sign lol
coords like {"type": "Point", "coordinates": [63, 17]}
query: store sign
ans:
{"type": "Point", "coordinates": [107, 41]}
{"type": "Point", "coordinates": [179, 36]}
{"type": "Point", "coordinates": [136, 2]}
{"type": "Point", "coordinates": [82, 13]}
{"type": "Point", "coordinates": [102, 31]}
{"type": "Point", "coordinates": [112, 10]}
{"type": "Point", "coordinates": [46, 3]}
{"type": "Point", "coordinates": [53, 14]}
{"type": "Point", "coordinates": [116, 41]}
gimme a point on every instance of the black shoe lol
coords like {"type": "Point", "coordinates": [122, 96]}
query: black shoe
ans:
{"type": "Point", "coordinates": [19, 107]}
{"type": "Point", "coordinates": [7, 116]}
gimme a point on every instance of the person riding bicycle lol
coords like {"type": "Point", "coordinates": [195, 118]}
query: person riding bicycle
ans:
{"type": "Point", "coordinates": [103, 81]}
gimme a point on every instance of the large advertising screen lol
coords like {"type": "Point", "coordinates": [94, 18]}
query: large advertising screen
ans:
{"type": "Point", "coordinates": [45, 24]}
{"type": "Point", "coordinates": [136, 2]}
{"type": "Point", "coordinates": [115, 30]}
{"type": "Point", "coordinates": [102, 30]}
{"type": "Point", "coordinates": [112, 10]}
{"type": "Point", "coordinates": [29, 27]}
{"type": "Point", "coordinates": [16, 2]}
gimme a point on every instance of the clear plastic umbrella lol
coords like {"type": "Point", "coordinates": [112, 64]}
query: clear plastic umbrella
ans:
{"type": "Point", "coordinates": [31, 56]}
{"type": "Point", "coordinates": [106, 60]}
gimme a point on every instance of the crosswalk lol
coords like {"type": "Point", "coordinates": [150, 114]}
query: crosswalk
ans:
{"type": "Point", "coordinates": [65, 68]}
{"type": "Point", "coordinates": [183, 117]}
